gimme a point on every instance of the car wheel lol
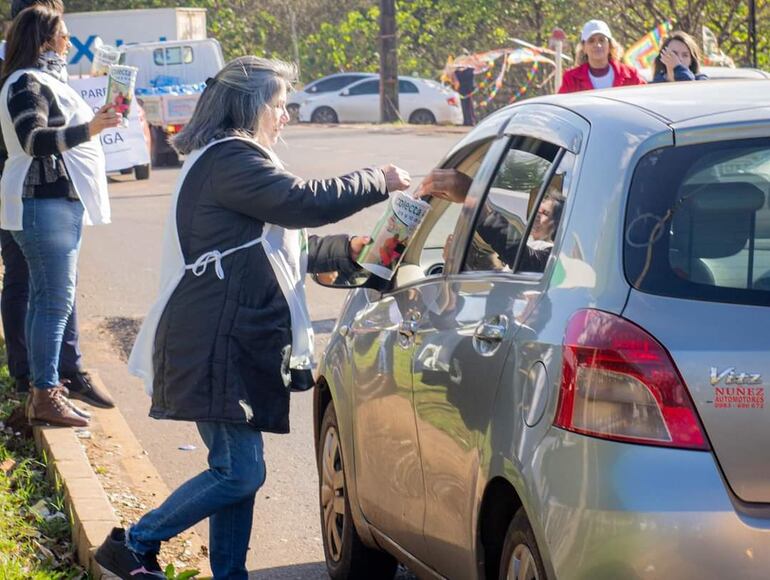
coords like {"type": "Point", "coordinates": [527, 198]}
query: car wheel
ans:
{"type": "Point", "coordinates": [422, 117]}
{"type": "Point", "coordinates": [521, 558]}
{"type": "Point", "coordinates": [347, 557]}
{"type": "Point", "coordinates": [142, 172]}
{"type": "Point", "coordinates": [324, 115]}
{"type": "Point", "coordinates": [293, 111]}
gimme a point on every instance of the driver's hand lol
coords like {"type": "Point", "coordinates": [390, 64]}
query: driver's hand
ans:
{"type": "Point", "coordinates": [448, 184]}
{"type": "Point", "coordinates": [357, 244]}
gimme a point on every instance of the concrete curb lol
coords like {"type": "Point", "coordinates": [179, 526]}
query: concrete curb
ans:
{"type": "Point", "coordinates": [91, 513]}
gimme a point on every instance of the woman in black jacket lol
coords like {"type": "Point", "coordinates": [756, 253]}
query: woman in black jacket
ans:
{"type": "Point", "coordinates": [230, 335]}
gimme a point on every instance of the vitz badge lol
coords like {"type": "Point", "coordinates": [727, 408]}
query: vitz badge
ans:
{"type": "Point", "coordinates": [739, 391]}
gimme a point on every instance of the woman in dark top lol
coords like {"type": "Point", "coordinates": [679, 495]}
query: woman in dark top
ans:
{"type": "Point", "coordinates": [679, 60]}
{"type": "Point", "coordinates": [230, 335]}
{"type": "Point", "coordinates": [53, 179]}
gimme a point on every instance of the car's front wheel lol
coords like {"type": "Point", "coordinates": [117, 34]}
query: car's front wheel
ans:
{"type": "Point", "coordinates": [521, 558]}
{"type": "Point", "coordinates": [347, 557]}
{"type": "Point", "coordinates": [324, 115]}
{"type": "Point", "coordinates": [142, 172]}
{"type": "Point", "coordinates": [293, 111]}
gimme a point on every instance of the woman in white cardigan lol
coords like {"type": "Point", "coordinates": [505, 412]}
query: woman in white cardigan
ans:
{"type": "Point", "coordinates": [53, 181]}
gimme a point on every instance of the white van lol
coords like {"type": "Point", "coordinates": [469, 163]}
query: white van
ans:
{"type": "Point", "coordinates": [171, 78]}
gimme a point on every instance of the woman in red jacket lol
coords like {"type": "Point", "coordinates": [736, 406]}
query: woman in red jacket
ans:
{"type": "Point", "coordinates": [600, 67]}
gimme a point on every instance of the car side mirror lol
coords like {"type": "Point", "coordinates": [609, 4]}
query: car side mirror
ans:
{"type": "Point", "coordinates": [355, 279]}
{"type": "Point", "coordinates": [347, 281]}
{"type": "Point", "coordinates": [345, 93]}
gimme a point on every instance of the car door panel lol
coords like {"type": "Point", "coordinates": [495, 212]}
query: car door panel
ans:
{"type": "Point", "coordinates": [387, 463]}
{"type": "Point", "coordinates": [463, 345]}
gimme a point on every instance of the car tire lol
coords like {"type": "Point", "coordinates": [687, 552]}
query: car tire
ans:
{"type": "Point", "coordinates": [293, 111]}
{"type": "Point", "coordinates": [521, 558]}
{"type": "Point", "coordinates": [324, 115]}
{"type": "Point", "coordinates": [347, 557]}
{"type": "Point", "coordinates": [422, 117]}
{"type": "Point", "coordinates": [161, 152]}
{"type": "Point", "coordinates": [142, 172]}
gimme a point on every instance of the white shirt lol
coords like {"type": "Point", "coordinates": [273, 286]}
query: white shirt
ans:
{"type": "Point", "coordinates": [604, 82]}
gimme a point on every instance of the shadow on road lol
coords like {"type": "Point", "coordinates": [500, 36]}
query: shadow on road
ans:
{"type": "Point", "coordinates": [309, 571]}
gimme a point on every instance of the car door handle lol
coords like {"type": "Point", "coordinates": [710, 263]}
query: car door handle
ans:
{"type": "Point", "coordinates": [492, 329]}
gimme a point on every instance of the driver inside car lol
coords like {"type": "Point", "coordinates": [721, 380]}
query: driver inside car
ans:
{"type": "Point", "coordinates": [494, 229]}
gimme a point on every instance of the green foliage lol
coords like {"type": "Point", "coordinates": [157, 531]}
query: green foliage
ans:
{"type": "Point", "coordinates": [347, 45]}
{"type": "Point", "coordinates": [329, 36]}
{"type": "Point", "coordinates": [172, 574]}
{"type": "Point", "coordinates": [34, 543]}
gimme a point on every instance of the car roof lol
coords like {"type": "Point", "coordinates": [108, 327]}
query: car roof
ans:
{"type": "Point", "coordinates": [724, 72]}
{"type": "Point", "coordinates": [344, 73]}
{"type": "Point", "coordinates": [670, 102]}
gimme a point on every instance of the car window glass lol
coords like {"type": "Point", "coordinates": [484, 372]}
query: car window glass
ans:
{"type": "Point", "coordinates": [429, 248]}
{"type": "Point", "coordinates": [698, 222]}
{"type": "Point", "coordinates": [173, 55]}
{"type": "Point", "coordinates": [407, 87]}
{"type": "Point", "coordinates": [547, 218]}
{"type": "Point", "coordinates": [366, 88]}
{"type": "Point", "coordinates": [507, 207]}
{"type": "Point", "coordinates": [334, 84]}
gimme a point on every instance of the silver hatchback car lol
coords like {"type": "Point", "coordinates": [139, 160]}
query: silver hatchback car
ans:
{"type": "Point", "coordinates": [565, 377]}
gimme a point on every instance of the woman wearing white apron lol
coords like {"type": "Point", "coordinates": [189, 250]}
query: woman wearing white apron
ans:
{"type": "Point", "coordinates": [230, 335]}
{"type": "Point", "coordinates": [54, 178]}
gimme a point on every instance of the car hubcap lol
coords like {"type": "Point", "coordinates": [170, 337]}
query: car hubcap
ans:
{"type": "Point", "coordinates": [522, 566]}
{"type": "Point", "coordinates": [423, 118]}
{"type": "Point", "coordinates": [325, 116]}
{"type": "Point", "coordinates": [332, 494]}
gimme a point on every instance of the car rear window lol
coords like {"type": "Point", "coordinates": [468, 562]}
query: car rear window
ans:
{"type": "Point", "coordinates": [698, 224]}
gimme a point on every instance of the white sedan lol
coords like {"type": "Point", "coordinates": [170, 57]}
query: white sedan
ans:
{"type": "Point", "coordinates": [421, 101]}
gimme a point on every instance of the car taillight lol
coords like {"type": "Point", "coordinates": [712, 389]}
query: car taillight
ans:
{"type": "Point", "coordinates": [619, 383]}
{"type": "Point", "coordinates": [453, 101]}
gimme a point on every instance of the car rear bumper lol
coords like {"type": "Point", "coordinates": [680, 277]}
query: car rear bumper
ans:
{"type": "Point", "coordinates": [450, 116]}
{"type": "Point", "coordinates": [612, 510]}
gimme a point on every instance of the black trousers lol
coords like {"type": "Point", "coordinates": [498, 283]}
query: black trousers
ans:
{"type": "Point", "coordinates": [13, 309]}
{"type": "Point", "coordinates": [469, 115]}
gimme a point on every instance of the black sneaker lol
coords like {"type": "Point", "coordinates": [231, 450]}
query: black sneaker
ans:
{"type": "Point", "coordinates": [115, 556]}
{"type": "Point", "coordinates": [82, 388]}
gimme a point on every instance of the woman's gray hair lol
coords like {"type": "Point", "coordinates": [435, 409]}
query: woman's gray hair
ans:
{"type": "Point", "coordinates": [234, 101]}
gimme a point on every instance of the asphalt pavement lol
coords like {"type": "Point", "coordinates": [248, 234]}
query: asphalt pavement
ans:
{"type": "Point", "coordinates": [118, 281]}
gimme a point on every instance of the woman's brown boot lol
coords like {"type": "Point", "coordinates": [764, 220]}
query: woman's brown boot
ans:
{"type": "Point", "coordinates": [52, 407]}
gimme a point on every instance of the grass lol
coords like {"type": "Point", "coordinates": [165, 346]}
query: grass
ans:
{"type": "Point", "coordinates": [34, 530]}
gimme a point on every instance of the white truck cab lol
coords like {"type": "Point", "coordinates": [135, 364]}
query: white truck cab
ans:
{"type": "Point", "coordinates": [171, 78]}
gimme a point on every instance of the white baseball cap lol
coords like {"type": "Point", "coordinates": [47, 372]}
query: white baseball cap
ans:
{"type": "Point", "coordinates": [595, 27]}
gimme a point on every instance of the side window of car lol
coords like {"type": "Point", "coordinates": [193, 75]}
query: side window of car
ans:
{"type": "Point", "coordinates": [367, 88]}
{"type": "Point", "coordinates": [513, 199]}
{"type": "Point", "coordinates": [335, 84]}
{"type": "Point", "coordinates": [428, 251]}
{"type": "Point", "coordinates": [407, 87]}
{"type": "Point", "coordinates": [545, 220]}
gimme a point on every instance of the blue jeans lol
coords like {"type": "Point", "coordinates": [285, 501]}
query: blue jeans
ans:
{"type": "Point", "coordinates": [14, 301]}
{"type": "Point", "coordinates": [224, 493]}
{"type": "Point", "coordinates": [50, 242]}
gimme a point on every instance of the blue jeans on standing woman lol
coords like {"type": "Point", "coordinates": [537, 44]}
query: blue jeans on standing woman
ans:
{"type": "Point", "coordinates": [224, 493]}
{"type": "Point", "coordinates": [14, 301]}
{"type": "Point", "coordinates": [50, 242]}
